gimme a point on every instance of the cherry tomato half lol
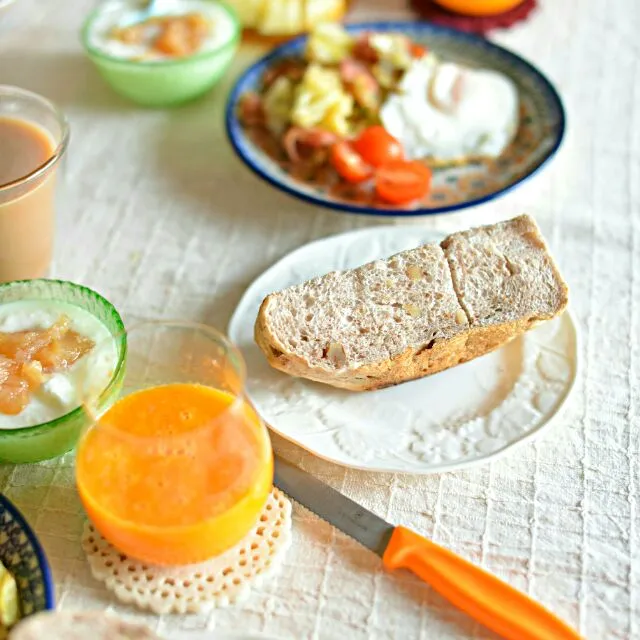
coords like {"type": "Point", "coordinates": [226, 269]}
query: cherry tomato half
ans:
{"type": "Point", "coordinates": [349, 164]}
{"type": "Point", "coordinates": [377, 146]}
{"type": "Point", "coordinates": [417, 50]}
{"type": "Point", "coordinates": [400, 182]}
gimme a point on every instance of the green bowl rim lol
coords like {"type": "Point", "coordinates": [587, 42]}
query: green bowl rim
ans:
{"type": "Point", "coordinates": [74, 413]}
{"type": "Point", "coordinates": [93, 51]}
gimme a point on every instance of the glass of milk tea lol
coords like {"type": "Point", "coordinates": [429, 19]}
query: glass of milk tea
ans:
{"type": "Point", "coordinates": [34, 135]}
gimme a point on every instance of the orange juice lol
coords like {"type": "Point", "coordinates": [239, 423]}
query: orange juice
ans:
{"type": "Point", "coordinates": [176, 473]}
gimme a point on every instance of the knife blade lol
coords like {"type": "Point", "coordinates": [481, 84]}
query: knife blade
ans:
{"type": "Point", "coordinates": [343, 513]}
{"type": "Point", "coordinates": [494, 603]}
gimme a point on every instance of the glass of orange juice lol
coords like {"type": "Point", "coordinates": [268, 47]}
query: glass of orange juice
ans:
{"type": "Point", "coordinates": [179, 469]}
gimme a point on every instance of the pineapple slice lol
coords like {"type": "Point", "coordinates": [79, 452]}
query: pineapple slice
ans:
{"type": "Point", "coordinates": [9, 599]}
{"type": "Point", "coordinates": [321, 100]}
{"type": "Point", "coordinates": [392, 48]}
{"type": "Point", "coordinates": [384, 73]}
{"type": "Point", "coordinates": [317, 11]}
{"type": "Point", "coordinates": [286, 17]}
{"type": "Point", "coordinates": [278, 102]}
{"type": "Point", "coordinates": [328, 43]}
{"type": "Point", "coordinates": [249, 11]}
{"type": "Point", "coordinates": [336, 119]}
{"type": "Point", "coordinates": [282, 17]}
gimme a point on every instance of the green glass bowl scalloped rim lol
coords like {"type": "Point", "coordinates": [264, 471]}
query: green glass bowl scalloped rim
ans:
{"type": "Point", "coordinates": [116, 378]}
{"type": "Point", "coordinates": [153, 64]}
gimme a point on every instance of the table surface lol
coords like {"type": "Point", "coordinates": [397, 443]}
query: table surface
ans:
{"type": "Point", "coordinates": [162, 218]}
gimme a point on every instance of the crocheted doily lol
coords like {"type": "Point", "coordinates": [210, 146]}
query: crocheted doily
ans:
{"type": "Point", "coordinates": [432, 12]}
{"type": "Point", "coordinates": [223, 580]}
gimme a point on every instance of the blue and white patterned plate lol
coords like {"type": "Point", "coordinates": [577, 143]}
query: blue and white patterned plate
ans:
{"type": "Point", "coordinates": [541, 129]}
{"type": "Point", "coordinates": [22, 555]}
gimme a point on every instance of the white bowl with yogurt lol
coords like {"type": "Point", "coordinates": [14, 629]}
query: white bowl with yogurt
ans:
{"type": "Point", "coordinates": [53, 418]}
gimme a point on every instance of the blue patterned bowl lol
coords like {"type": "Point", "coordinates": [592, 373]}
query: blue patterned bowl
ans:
{"type": "Point", "coordinates": [22, 555]}
{"type": "Point", "coordinates": [542, 124]}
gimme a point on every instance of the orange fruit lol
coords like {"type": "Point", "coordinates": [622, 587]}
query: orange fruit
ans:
{"type": "Point", "coordinates": [479, 7]}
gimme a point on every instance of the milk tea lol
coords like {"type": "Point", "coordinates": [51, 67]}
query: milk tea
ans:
{"type": "Point", "coordinates": [26, 199]}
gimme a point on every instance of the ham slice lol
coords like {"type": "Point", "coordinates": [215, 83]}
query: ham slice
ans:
{"type": "Point", "coordinates": [297, 140]}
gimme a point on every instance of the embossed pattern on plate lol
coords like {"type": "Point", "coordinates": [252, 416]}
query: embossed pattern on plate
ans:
{"type": "Point", "coordinates": [454, 419]}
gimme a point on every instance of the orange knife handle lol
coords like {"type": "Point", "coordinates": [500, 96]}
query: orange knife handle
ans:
{"type": "Point", "coordinates": [495, 604]}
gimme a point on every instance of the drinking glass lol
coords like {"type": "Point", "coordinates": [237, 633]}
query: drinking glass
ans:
{"type": "Point", "coordinates": [179, 469]}
{"type": "Point", "coordinates": [27, 204]}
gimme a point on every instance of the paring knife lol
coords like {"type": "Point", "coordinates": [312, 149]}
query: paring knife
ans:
{"type": "Point", "coordinates": [481, 595]}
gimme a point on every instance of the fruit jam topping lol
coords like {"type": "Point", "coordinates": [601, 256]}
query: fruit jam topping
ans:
{"type": "Point", "coordinates": [175, 36]}
{"type": "Point", "coordinates": [26, 357]}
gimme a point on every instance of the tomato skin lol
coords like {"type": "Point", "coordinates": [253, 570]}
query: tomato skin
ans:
{"type": "Point", "coordinates": [377, 146]}
{"type": "Point", "coordinates": [400, 182]}
{"type": "Point", "coordinates": [349, 164]}
{"type": "Point", "coordinates": [417, 50]}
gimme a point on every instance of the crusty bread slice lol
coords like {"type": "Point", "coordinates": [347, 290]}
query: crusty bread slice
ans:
{"type": "Point", "coordinates": [70, 625]}
{"type": "Point", "coordinates": [381, 323]}
{"type": "Point", "coordinates": [506, 281]}
{"type": "Point", "coordinates": [417, 313]}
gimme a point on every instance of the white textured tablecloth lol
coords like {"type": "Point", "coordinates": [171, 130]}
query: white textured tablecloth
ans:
{"type": "Point", "coordinates": [165, 221]}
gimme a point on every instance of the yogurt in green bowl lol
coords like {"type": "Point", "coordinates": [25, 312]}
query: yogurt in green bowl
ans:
{"type": "Point", "coordinates": [59, 343]}
{"type": "Point", "coordinates": [155, 63]}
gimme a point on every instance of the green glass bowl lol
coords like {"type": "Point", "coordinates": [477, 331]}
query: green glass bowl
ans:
{"type": "Point", "coordinates": [53, 438]}
{"type": "Point", "coordinates": [164, 83]}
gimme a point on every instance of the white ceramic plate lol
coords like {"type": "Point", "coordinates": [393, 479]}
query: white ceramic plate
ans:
{"type": "Point", "coordinates": [454, 419]}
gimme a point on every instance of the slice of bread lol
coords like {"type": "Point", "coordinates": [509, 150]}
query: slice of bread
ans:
{"type": "Point", "coordinates": [417, 313]}
{"type": "Point", "coordinates": [70, 625]}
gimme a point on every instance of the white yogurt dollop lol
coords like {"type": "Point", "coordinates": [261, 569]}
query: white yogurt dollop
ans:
{"type": "Point", "coordinates": [449, 112]}
{"type": "Point", "coordinates": [115, 11]}
{"type": "Point", "coordinates": [61, 392]}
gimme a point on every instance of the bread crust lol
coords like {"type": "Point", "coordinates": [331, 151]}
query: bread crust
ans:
{"type": "Point", "coordinates": [413, 363]}
{"type": "Point", "coordinates": [70, 625]}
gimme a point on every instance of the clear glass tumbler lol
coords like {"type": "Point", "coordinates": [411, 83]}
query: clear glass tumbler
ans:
{"type": "Point", "coordinates": [179, 469]}
{"type": "Point", "coordinates": [27, 203]}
